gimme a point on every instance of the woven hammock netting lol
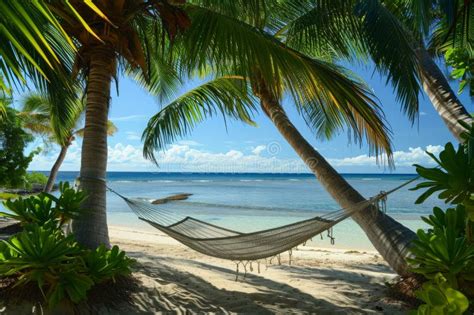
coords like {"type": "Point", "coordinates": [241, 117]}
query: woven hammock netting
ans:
{"type": "Point", "coordinates": [228, 244]}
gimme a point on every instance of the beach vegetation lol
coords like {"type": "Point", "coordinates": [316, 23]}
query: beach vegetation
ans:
{"type": "Point", "coordinates": [440, 298]}
{"type": "Point", "coordinates": [43, 255]}
{"type": "Point", "coordinates": [45, 209]}
{"type": "Point", "coordinates": [13, 160]}
{"type": "Point", "coordinates": [35, 179]}
{"type": "Point", "coordinates": [446, 250]}
{"type": "Point", "coordinates": [7, 196]}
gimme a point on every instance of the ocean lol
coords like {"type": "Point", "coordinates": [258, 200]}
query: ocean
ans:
{"type": "Point", "coordinates": [250, 201]}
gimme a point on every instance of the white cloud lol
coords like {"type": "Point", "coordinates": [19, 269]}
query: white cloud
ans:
{"type": "Point", "coordinates": [191, 158]}
{"type": "Point", "coordinates": [402, 158]}
{"type": "Point", "coordinates": [423, 113]}
{"type": "Point", "coordinates": [128, 118]}
{"type": "Point", "coordinates": [259, 149]}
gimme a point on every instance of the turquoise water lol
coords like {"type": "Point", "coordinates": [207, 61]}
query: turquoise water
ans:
{"type": "Point", "coordinates": [249, 202]}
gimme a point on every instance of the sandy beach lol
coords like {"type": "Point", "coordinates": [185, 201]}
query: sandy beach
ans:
{"type": "Point", "coordinates": [175, 279]}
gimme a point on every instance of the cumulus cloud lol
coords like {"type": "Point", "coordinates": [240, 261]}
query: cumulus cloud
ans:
{"type": "Point", "coordinates": [402, 158]}
{"type": "Point", "coordinates": [193, 158]}
{"type": "Point", "coordinates": [259, 149]}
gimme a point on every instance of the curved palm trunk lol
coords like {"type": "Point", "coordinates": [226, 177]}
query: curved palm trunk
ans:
{"type": "Point", "coordinates": [389, 237]}
{"type": "Point", "coordinates": [55, 169]}
{"type": "Point", "coordinates": [443, 98]}
{"type": "Point", "coordinates": [91, 228]}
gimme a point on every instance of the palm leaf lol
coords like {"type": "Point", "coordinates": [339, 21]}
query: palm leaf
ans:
{"type": "Point", "coordinates": [227, 96]}
{"type": "Point", "coordinates": [358, 29]}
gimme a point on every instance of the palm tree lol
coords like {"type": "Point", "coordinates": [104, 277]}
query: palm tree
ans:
{"type": "Point", "coordinates": [126, 39]}
{"type": "Point", "coordinates": [36, 117]}
{"type": "Point", "coordinates": [361, 28]}
{"type": "Point", "coordinates": [323, 93]}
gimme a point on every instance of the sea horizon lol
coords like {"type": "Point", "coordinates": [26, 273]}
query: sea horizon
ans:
{"type": "Point", "coordinates": [199, 172]}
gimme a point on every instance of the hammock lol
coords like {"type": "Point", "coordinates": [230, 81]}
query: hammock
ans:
{"type": "Point", "coordinates": [228, 244]}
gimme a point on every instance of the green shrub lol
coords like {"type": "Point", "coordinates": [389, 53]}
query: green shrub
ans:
{"type": "Point", "coordinates": [444, 254]}
{"type": "Point", "coordinates": [14, 140]}
{"type": "Point", "coordinates": [440, 298]}
{"type": "Point", "coordinates": [44, 255]}
{"type": "Point", "coordinates": [103, 264]}
{"type": "Point", "coordinates": [444, 248]}
{"type": "Point", "coordinates": [46, 209]}
{"type": "Point", "coordinates": [35, 179]}
{"type": "Point", "coordinates": [48, 259]}
{"type": "Point", "coordinates": [6, 196]}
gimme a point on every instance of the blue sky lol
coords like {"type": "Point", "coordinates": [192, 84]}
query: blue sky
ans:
{"type": "Point", "coordinates": [248, 149]}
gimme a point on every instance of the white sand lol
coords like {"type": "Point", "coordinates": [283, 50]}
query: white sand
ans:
{"type": "Point", "coordinates": [320, 281]}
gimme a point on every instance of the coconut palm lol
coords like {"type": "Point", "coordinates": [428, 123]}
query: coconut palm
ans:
{"type": "Point", "coordinates": [110, 38]}
{"type": "Point", "coordinates": [327, 97]}
{"type": "Point", "coordinates": [361, 27]}
{"type": "Point", "coordinates": [36, 116]}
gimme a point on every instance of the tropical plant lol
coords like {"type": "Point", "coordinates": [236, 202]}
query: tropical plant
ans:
{"type": "Point", "coordinates": [42, 254]}
{"type": "Point", "coordinates": [440, 298]}
{"type": "Point", "coordinates": [45, 209]}
{"type": "Point", "coordinates": [36, 117]}
{"type": "Point", "coordinates": [454, 175]}
{"type": "Point", "coordinates": [462, 63]}
{"type": "Point", "coordinates": [13, 141]}
{"type": "Point", "coordinates": [444, 249]}
{"type": "Point", "coordinates": [104, 264]}
{"type": "Point", "coordinates": [36, 179]}
{"type": "Point", "coordinates": [324, 94]}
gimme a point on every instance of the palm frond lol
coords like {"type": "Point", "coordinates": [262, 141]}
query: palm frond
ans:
{"type": "Point", "coordinates": [359, 29]}
{"type": "Point", "coordinates": [5, 101]}
{"type": "Point", "coordinates": [30, 36]}
{"type": "Point", "coordinates": [228, 96]}
{"type": "Point", "coordinates": [394, 55]}
{"type": "Point", "coordinates": [43, 114]}
{"type": "Point", "coordinates": [326, 28]}
{"type": "Point", "coordinates": [162, 77]}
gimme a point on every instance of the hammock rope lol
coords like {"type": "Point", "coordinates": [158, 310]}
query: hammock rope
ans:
{"type": "Point", "coordinates": [243, 248]}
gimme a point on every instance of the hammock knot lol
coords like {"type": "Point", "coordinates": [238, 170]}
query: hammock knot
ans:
{"type": "Point", "coordinates": [382, 202]}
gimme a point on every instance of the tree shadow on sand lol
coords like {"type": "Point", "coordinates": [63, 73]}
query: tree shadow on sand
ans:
{"type": "Point", "coordinates": [177, 291]}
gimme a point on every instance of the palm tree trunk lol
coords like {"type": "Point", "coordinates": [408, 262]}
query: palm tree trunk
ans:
{"type": "Point", "coordinates": [443, 98]}
{"type": "Point", "coordinates": [91, 228]}
{"type": "Point", "coordinates": [54, 170]}
{"type": "Point", "coordinates": [389, 237]}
